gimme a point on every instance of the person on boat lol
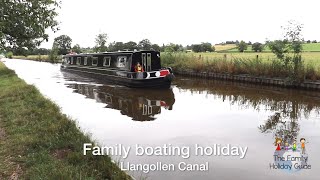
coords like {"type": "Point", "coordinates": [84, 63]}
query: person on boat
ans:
{"type": "Point", "coordinates": [138, 68]}
{"type": "Point", "coordinates": [278, 143]}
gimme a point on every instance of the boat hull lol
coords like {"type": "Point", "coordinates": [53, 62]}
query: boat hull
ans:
{"type": "Point", "coordinates": [159, 82]}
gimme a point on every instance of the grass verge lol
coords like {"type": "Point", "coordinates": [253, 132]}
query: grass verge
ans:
{"type": "Point", "coordinates": [38, 142]}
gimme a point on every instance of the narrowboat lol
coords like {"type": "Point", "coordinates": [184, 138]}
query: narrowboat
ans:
{"type": "Point", "coordinates": [138, 69]}
{"type": "Point", "coordinates": [142, 105]}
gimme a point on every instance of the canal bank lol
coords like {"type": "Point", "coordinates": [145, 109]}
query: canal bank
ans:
{"type": "Point", "coordinates": [281, 82]}
{"type": "Point", "coordinates": [37, 141]}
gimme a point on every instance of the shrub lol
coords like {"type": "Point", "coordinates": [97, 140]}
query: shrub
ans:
{"type": "Point", "coordinates": [9, 55]}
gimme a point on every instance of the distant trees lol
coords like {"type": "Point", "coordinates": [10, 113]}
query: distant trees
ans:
{"type": "Point", "coordinates": [242, 46]}
{"type": "Point", "coordinates": [101, 41]}
{"type": "Point", "coordinates": [230, 42]}
{"type": "Point", "coordinates": [145, 44]}
{"type": "Point", "coordinates": [155, 47]}
{"type": "Point", "coordinates": [130, 45]}
{"type": "Point", "coordinates": [257, 47]}
{"type": "Point", "coordinates": [77, 49]}
{"type": "Point", "coordinates": [41, 51]}
{"type": "Point", "coordinates": [62, 44]}
{"type": "Point", "coordinates": [203, 47]}
{"type": "Point", "coordinates": [171, 47]}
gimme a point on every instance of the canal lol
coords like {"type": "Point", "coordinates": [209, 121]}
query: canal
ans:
{"type": "Point", "coordinates": [194, 112]}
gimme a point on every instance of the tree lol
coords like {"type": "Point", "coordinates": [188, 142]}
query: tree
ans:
{"type": "Point", "coordinates": [207, 47]}
{"type": "Point", "coordinates": [242, 46]}
{"type": "Point", "coordinates": [196, 48]}
{"type": "Point", "coordinates": [314, 41]}
{"type": "Point", "coordinates": [101, 41]}
{"type": "Point", "coordinates": [130, 45]}
{"type": "Point", "coordinates": [203, 47]}
{"type": "Point", "coordinates": [289, 51]}
{"type": "Point", "coordinates": [53, 56]}
{"type": "Point", "coordinates": [77, 49]}
{"type": "Point", "coordinates": [41, 51]}
{"type": "Point", "coordinates": [155, 47]}
{"type": "Point", "coordinates": [23, 23]}
{"type": "Point", "coordinates": [279, 48]}
{"type": "Point", "coordinates": [63, 44]}
{"type": "Point", "coordinates": [118, 46]}
{"type": "Point", "coordinates": [257, 47]}
{"type": "Point", "coordinates": [145, 44]}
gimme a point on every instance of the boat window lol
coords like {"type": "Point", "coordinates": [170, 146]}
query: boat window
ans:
{"type": "Point", "coordinates": [94, 61]}
{"type": "Point", "coordinates": [69, 60]}
{"type": "Point", "coordinates": [149, 62]}
{"type": "Point", "coordinates": [106, 61]}
{"type": "Point", "coordinates": [85, 61]}
{"type": "Point", "coordinates": [72, 62]}
{"type": "Point", "coordinates": [78, 60]}
{"type": "Point", "coordinates": [143, 56]}
{"type": "Point", "coordinates": [122, 60]}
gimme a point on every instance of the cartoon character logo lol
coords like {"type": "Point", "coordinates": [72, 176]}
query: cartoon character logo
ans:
{"type": "Point", "coordinates": [294, 146]}
{"type": "Point", "coordinates": [277, 143]}
{"type": "Point", "coordinates": [303, 146]}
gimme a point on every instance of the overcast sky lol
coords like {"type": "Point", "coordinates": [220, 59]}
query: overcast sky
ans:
{"type": "Point", "coordinates": [184, 21]}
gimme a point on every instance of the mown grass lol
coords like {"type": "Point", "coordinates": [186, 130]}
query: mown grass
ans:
{"type": "Point", "coordinates": [38, 142]}
{"type": "Point", "coordinates": [242, 63]}
{"type": "Point", "coordinates": [311, 47]}
{"type": "Point", "coordinates": [306, 47]}
{"type": "Point", "coordinates": [44, 58]}
{"type": "Point", "coordinates": [224, 47]}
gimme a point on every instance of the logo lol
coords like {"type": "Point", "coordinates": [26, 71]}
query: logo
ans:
{"type": "Point", "coordinates": [290, 156]}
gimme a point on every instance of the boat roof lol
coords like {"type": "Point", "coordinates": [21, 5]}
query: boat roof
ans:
{"type": "Point", "coordinates": [110, 53]}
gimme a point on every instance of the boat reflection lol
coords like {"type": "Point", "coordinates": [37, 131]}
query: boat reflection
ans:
{"type": "Point", "coordinates": [139, 104]}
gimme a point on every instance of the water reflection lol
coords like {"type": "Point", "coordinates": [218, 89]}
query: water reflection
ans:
{"type": "Point", "coordinates": [141, 105]}
{"type": "Point", "coordinates": [288, 106]}
{"type": "Point", "coordinates": [289, 103]}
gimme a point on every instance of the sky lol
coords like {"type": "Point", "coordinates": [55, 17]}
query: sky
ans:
{"type": "Point", "coordinates": [183, 21]}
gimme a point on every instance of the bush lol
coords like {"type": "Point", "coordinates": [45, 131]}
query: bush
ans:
{"type": "Point", "coordinates": [53, 56]}
{"type": "Point", "coordinates": [9, 55]}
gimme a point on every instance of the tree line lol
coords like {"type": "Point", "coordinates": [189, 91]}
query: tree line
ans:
{"type": "Point", "coordinates": [63, 45]}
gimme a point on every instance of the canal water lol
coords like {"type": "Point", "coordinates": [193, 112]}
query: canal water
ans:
{"type": "Point", "coordinates": [194, 113]}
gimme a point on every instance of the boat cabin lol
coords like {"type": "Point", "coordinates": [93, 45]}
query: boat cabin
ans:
{"type": "Point", "coordinates": [123, 60]}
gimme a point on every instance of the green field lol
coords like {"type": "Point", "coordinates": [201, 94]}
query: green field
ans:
{"type": "Point", "coordinates": [312, 58]}
{"type": "Point", "coordinates": [308, 47]}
